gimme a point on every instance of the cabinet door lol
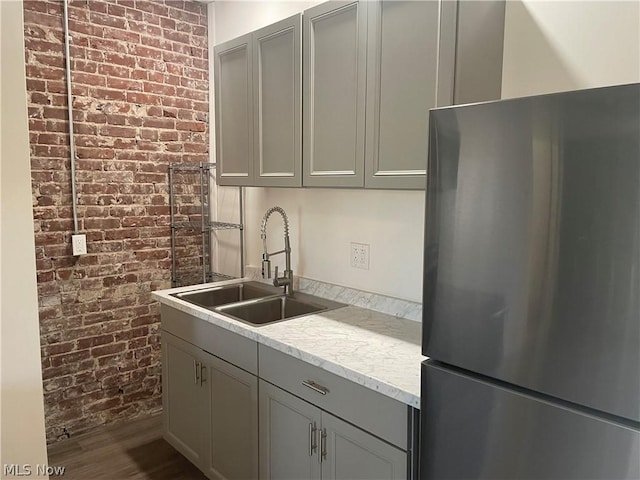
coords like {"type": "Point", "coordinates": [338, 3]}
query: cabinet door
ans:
{"type": "Point", "coordinates": [182, 400]}
{"type": "Point", "coordinates": [288, 436]}
{"type": "Point", "coordinates": [233, 421]}
{"type": "Point", "coordinates": [334, 84]}
{"type": "Point", "coordinates": [402, 73]}
{"type": "Point", "coordinates": [234, 111]}
{"type": "Point", "coordinates": [349, 453]}
{"type": "Point", "coordinates": [277, 59]}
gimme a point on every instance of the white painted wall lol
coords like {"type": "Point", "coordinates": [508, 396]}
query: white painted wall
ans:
{"type": "Point", "coordinates": [549, 46]}
{"type": "Point", "coordinates": [22, 436]}
{"type": "Point", "coordinates": [553, 46]}
{"type": "Point", "coordinates": [237, 17]}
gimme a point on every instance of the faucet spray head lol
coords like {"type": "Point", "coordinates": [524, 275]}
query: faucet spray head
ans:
{"type": "Point", "coordinates": [266, 267]}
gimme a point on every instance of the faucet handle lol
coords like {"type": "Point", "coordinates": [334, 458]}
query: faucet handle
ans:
{"type": "Point", "coordinates": [266, 269]}
{"type": "Point", "coordinates": [276, 272]}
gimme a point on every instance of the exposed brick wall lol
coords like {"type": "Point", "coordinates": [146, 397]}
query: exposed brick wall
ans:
{"type": "Point", "coordinates": [140, 87]}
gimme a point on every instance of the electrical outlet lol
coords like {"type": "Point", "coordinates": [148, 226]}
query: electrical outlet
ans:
{"type": "Point", "coordinates": [360, 255]}
{"type": "Point", "coordinates": [79, 244]}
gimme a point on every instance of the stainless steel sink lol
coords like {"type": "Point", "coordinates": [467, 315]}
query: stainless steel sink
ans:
{"type": "Point", "coordinates": [214, 297]}
{"type": "Point", "coordinates": [256, 303]}
{"type": "Point", "coordinates": [270, 309]}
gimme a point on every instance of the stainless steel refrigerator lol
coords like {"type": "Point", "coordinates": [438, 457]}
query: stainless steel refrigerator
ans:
{"type": "Point", "coordinates": [531, 289]}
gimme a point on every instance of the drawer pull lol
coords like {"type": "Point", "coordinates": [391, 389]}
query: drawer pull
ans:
{"type": "Point", "coordinates": [316, 387]}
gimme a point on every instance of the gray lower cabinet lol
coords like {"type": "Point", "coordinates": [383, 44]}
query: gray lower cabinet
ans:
{"type": "Point", "coordinates": [296, 421]}
{"type": "Point", "coordinates": [210, 410]}
{"type": "Point", "coordinates": [183, 398]}
{"type": "Point", "coordinates": [351, 453]}
{"type": "Point", "coordinates": [288, 436]}
{"type": "Point", "coordinates": [334, 88]}
{"type": "Point", "coordinates": [300, 441]}
{"type": "Point", "coordinates": [233, 421]}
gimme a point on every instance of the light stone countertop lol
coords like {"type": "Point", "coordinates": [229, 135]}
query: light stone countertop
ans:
{"type": "Point", "coordinates": [373, 349]}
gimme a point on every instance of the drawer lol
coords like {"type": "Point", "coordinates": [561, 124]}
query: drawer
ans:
{"type": "Point", "coordinates": [231, 347]}
{"type": "Point", "coordinates": [378, 414]}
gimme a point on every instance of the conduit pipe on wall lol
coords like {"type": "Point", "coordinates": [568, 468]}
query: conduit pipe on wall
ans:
{"type": "Point", "coordinates": [72, 144]}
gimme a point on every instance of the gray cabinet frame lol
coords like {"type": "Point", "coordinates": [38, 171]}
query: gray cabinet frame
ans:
{"type": "Point", "coordinates": [210, 405]}
{"type": "Point", "coordinates": [299, 440]}
{"type": "Point", "coordinates": [334, 89]}
{"type": "Point", "coordinates": [404, 61]}
{"type": "Point", "coordinates": [277, 96]}
{"type": "Point", "coordinates": [182, 398]}
{"type": "Point", "coordinates": [233, 87]}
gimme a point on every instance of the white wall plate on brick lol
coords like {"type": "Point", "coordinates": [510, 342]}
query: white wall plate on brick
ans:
{"type": "Point", "coordinates": [79, 244]}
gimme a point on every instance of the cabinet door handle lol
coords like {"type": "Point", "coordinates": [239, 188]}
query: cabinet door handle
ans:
{"type": "Point", "coordinates": [195, 372]}
{"type": "Point", "coordinates": [198, 367]}
{"type": "Point", "coordinates": [312, 438]}
{"type": "Point", "coordinates": [315, 387]}
{"type": "Point", "coordinates": [323, 445]}
{"type": "Point", "coordinates": [203, 374]}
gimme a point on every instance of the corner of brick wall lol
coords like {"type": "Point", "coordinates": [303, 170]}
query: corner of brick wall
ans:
{"type": "Point", "coordinates": [140, 88]}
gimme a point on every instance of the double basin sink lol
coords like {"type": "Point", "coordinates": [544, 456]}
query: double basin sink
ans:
{"type": "Point", "coordinates": [256, 303]}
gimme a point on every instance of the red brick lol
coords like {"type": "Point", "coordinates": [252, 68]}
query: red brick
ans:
{"type": "Point", "coordinates": [111, 70]}
{"type": "Point", "coordinates": [115, 131]}
{"type": "Point", "coordinates": [119, 59]}
{"type": "Point", "coordinates": [143, 98]}
{"type": "Point", "coordinates": [167, 123]}
{"type": "Point", "coordinates": [145, 28]}
{"type": "Point", "coordinates": [94, 341]}
{"type": "Point", "coordinates": [152, 7]}
{"type": "Point", "coordinates": [69, 358]}
{"type": "Point", "coordinates": [95, 153]}
{"type": "Point", "coordinates": [122, 233]}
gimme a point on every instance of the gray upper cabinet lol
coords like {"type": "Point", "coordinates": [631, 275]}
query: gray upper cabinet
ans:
{"type": "Point", "coordinates": [277, 86]}
{"type": "Point", "coordinates": [423, 55]}
{"type": "Point", "coordinates": [401, 88]}
{"type": "Point", "coordinates": [233, 77]}
{"type": "Point", "coordinates": [334, 84]}
{"type": "Point", "coordinates": [479, 49]}
{"type": "Point", "coordinates": [258, 85]}
{"type": "Point", "coordinates": [340, 96]}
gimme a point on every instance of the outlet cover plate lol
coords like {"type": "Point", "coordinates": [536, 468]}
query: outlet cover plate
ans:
{"type": "Point", "coordinates": [360, 255]}
{"type": "Point", "coordinates": [79, 244]}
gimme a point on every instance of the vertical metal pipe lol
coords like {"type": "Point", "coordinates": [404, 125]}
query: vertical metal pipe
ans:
{"type": "Point", "coordinates": [72, 145]}
{"type": "Point", "coordinates": [202, 220]}
{"type": "Point", "coordinates": [173, 228]}
{"type": "Point", "coordinates": [241, 231]}
{"type": "Point", "coordinates": [206, 210]}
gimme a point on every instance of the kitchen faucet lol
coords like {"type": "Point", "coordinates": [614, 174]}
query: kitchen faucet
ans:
{"type": "Point", "coordinates": [287, 280]}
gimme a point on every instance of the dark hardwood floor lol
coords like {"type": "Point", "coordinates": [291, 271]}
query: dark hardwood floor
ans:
{"type": "Point", "coordinates": [132, 450]}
